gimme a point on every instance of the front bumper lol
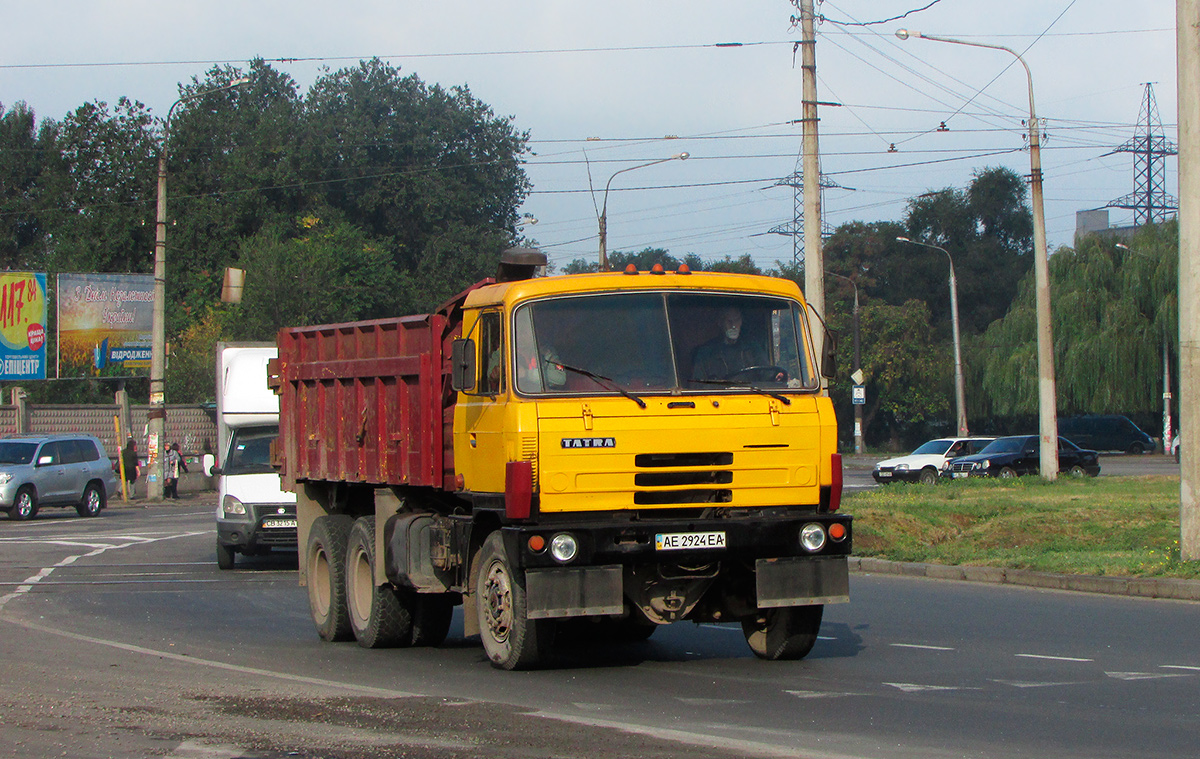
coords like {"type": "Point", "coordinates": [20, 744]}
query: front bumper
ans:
{"type": "Point", "coordinates": [883, 476]}
{"type": "Point", "coordinates": [257, 530]}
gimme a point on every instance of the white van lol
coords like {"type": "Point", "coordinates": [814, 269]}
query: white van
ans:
{"type": "Point", "coordinates": [254, 515]}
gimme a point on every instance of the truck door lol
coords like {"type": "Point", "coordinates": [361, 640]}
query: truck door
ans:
{"type": "Point", "coordinates": [481, 456]}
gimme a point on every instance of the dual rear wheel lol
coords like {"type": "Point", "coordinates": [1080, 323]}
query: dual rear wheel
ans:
{"type": "Point", "coordinates": [345, 601]}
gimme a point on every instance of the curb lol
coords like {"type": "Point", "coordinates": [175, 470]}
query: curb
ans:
{"type": "Point", "coordinates": [1140, 587]}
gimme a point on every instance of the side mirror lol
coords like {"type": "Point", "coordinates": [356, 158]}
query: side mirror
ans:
{"type": "Point", "coordinates": [208, 465]}
{"type": "Point", "coordinates": [829, 355]}
{"type": "Point", "coordinates": [462, 365]}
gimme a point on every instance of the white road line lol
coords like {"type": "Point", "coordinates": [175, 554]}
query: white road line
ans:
{"type": "Point", "coordinates": [919, 688]}
{"type": "Point", "coordinates": [28, 584]}
{"type": "Point", "coordinates": [819, 694]}
{"type": "Point", "coordinates": [364, 689]}
{"type": "Point", "coordinates": [1029, 684]}
{"type": "Point", "coordinates": [1143, 675]}
{"type": "Point", "coordinates": [920, 647]}
{"type": "Point", "coordinates": [1053, 658]}
{"type": "Point", "coordinates": [1180, 666]}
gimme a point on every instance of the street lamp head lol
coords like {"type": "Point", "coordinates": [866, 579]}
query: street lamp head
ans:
{"type": "Point", "coordinates": [682, 156]}
{"type": "Point", "coordinates": [240, 81]}
{"type": "Point", "coordinates": [903, 239]}
{"type": "Point", "coordinates": [906, 33]}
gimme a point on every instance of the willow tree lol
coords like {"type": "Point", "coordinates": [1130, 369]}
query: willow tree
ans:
{"type": "Point", "coordinates": [1115, 310]}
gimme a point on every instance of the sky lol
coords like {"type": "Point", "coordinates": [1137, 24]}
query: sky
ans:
{"type": "Point", "coordinates": [602, 87]}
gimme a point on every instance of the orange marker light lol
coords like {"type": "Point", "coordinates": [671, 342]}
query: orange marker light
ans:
{"type": "Point", "coordinates": [631, 269]}
{"type": "Point", "coordinates": [657, 269]}
{"type": "Point", "coordinates": [837, 531]}
{"type": "Point", "coordinates": [537, 543]}
{"type": "Point", "coordinates": [683, 269]}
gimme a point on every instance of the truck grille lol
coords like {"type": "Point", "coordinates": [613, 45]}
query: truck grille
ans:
{"type": "Point", "coordinates": [664, 486]}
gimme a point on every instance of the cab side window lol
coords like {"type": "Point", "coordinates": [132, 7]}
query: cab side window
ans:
{"type": "Point", "coordinates": [491, 354]}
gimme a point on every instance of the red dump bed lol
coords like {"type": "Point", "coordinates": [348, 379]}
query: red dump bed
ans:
{"type": "Point", "coordinates": [366, 402]}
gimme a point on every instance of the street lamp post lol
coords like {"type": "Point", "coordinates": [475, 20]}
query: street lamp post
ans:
{"type": "Point", "coordinates": [1047, 408]}
{"type": "Point", "coordinates": [960, 392]}
{"type": "Point", "coordinates": [157, 415]}
{"type": "Point", "coordinates": [858, 410]}
{"type": "Point", "coordinates": [604, 206]}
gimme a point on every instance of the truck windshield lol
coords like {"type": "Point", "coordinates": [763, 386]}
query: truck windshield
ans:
{"type": "Point", "coordinates": [250, 450]}
{"type": "Point", "coordinates": [661, 342]}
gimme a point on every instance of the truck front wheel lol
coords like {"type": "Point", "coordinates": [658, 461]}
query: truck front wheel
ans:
{"type": "Point", "coordinates": [325, 562]}
{"type": "Point", "coordinates": [379, 616]}
{"type": "Point", "coordinates": [511, 640]}
{"type": "Point", "coordinates": [788, 632]}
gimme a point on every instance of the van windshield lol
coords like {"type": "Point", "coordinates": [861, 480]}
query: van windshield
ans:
{"type": "Point", "coordinates": [17, 453]}
{"type": "Point", "coordinates": [250, 450]}
{"type": "Point", "coordinates": [668, 342]}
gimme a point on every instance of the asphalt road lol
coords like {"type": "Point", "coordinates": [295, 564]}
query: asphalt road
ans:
{"type": "Point", "coordinates": [119, 637]}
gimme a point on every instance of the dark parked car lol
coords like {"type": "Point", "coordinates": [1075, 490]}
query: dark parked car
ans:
{"type": "Point", "coordinates": [1021, 454]}
{"type": "Point", "coordinates": [1106, 432]}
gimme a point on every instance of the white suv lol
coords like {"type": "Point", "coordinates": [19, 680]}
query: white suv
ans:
{"type": "Point", "coordinates": [57, 470]}
{"type": "Point", "coordinates": [924, 464]}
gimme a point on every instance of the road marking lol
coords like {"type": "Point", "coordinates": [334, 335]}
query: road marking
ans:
{"type": "Point", "coordinates": [1142, 675]}
{"type": "Point", "coordinates": [711, 701]}
{"type": "Point", "coordinates": [920, 647]}
{"type": "Point", "coordinates": [97, 549]}
{"type": "Point", "coordinates": [1053, 658]}
{"type": "Point", "coordinates": [919, 688]}
{"type": "Point", "coordinates": [353, 687]}
{"type": "Point", "coordinates": [818, 694]}
{"type": "Point", "coordinates": [1180, 666]}
{"type": "Point", "coordinates": [1029, 684]}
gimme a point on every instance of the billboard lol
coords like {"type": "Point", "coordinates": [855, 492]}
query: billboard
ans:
{"type": "Point", "coordinates": [22, 325]}
{"type": "Point", "coordinates": [105, 324]}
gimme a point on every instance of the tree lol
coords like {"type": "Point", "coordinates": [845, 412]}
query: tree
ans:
{"type": "Point", "coordinates": [99, 180]}
{"type": "Point", "coordinates": [429, 172]}
{"type": "Point", "coordinates": [21, 160]}
{"type": "Point", "coordinates": [315, 272]}
{"type": "Point", "coordinates": [1113, 311]}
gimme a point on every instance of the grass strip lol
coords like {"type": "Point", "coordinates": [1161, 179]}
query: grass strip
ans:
{"type": "Point", "coordinates": [1105, 526]}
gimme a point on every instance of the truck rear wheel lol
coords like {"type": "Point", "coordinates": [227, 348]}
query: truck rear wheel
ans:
{"type": "Point", "coordinates": [379, 616]}
{"type": "Point", "coordinates": [325, 562]}
{"type": "Point", "coordinates": [511, 640]}
{"type": "Point", "coordinates": [788, 632]}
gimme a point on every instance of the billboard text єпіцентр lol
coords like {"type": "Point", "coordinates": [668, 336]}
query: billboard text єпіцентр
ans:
{"type": "Point", "coordinates": [22, 325]}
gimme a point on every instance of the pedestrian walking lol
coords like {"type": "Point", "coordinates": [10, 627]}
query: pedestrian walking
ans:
{"type": "Point", "coordinates": [175, 465]}
{"type": "Point", "coordinates": [129, 462]}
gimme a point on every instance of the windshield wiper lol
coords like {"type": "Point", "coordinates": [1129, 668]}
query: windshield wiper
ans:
{"type": "Point", "coordinates": [606, 381]}
{"type": "Point", "coordinates": [754, 388]}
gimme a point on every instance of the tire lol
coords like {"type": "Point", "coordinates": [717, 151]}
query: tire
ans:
{"type": "Point", "coordinates": [511, 640]}
{"type": "Point", "coordinates": [1077, 471]}
{"type": "Point", "coordinates": [226, 556]}
{"type": "Point", "coordinates": [785, 633]}
{"type": "Point", "coordinates": [93, 501]}
{"type": "Point", "coordinates": [380, 617]}
{"type": "Point", "coordinates": [325, 563]}
{"type": "Point", "coordinates": [1136, 449]}
{"type": "Point", "coordinates": [1007, 473]}
{"type": "Point", "coordinates": [928, 476]}
{"type": "Point", "coordinates": [24, 505]}
{"type": "Point", "coordinates": [432, 614]}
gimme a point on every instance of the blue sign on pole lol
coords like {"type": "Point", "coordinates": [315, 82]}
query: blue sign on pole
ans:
{"type": "Point", "coordinates": [859, 395]}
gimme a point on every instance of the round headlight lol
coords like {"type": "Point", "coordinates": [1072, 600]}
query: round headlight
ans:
{"type": "Point", "coordinates": [812, 537]}
{"type": "Point", "coordinates": [563, 547]}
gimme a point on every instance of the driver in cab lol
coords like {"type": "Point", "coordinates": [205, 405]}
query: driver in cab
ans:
{"type": "Point", "coordinates": [729, 353]}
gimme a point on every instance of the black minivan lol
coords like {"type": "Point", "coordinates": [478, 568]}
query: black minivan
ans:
{"type": "Point", "coordinates": [1105, 432]}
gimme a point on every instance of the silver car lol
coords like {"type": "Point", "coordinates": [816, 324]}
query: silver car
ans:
{"type": "Point", "coordinates": [54, 470]}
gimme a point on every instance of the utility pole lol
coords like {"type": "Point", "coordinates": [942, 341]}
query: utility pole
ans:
{"type": "Point", "coordinates": [814, 258]}
{"type": "Point", "coordinates": [1187, 26]}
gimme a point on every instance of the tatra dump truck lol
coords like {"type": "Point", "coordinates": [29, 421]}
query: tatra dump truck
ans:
{"type": "Point", "coordinates": [606, 450]}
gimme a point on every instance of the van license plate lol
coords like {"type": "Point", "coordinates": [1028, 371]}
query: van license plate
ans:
{"type": "Point", "coordinates": [274, 524]}
{"type": "Point", "coordinates": [682, 541]}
